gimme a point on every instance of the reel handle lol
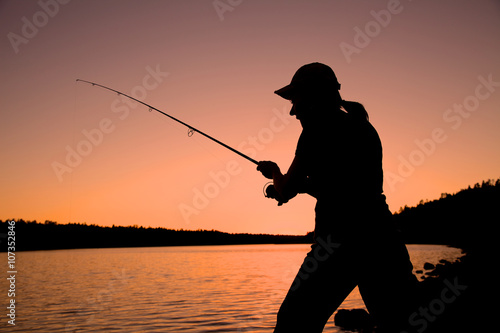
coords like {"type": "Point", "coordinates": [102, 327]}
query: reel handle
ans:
{"type": "Point", "coordinates": [270, 192]}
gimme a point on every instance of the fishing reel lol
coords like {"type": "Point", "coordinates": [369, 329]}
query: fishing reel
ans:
{"type": "Point", "coordinates": [270, 192]}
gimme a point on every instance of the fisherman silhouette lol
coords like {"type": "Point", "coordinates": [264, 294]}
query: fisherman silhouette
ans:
{"type": "Point", "coordinates": [338, 161]}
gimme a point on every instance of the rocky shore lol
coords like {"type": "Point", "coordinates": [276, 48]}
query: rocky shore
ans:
{"type": "Point", "coordinates": [458, 297]}
{"type": "Point", "coordinates": [454, 298]}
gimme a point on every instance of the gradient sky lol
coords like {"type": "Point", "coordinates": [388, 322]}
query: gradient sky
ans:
{"type": "Point", "coordinates": [428, 73]}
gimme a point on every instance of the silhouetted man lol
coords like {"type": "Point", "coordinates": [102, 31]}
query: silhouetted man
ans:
{"type": "Point", "coordinates": [338, 161]}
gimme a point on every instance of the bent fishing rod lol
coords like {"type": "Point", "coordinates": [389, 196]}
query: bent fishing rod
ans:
{"type": "Point", "coordinates": [269, 190]}
{"type": "Point", "coordinates": [191, 128]}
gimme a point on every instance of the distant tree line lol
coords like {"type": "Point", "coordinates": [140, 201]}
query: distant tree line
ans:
{"type": "Point", "coordinates": [32, 235]}
{"type": "Point", "coordinates": [461, 219]}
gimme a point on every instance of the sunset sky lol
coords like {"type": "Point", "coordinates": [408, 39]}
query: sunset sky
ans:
{"type": "Point", "coordinates": [428, 73]}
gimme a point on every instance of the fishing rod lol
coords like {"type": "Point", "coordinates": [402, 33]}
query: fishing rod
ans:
{"type": "Point", "coordinates": [190, 128]}
{"type": "Point", "coordinates": [269, 190]}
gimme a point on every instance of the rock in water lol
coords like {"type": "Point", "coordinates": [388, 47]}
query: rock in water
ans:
{"type": "Point", "coordinates": [355, 319]}
{"type": "Point", "coordinates": [428, 266]}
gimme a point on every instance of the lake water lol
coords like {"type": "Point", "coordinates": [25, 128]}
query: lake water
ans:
{"type": "Point", "coordinates": [235, 288]}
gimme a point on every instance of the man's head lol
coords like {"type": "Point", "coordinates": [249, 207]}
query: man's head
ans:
{"type": "Point", "coordinates": [314, 88]}
{"type": "Point", "coordinates": [314, 78]}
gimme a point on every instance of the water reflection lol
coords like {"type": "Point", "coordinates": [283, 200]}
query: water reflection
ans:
{"type": "Point", "coordinates": [194, 289]}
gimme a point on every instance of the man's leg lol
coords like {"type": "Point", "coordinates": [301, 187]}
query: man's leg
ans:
{"type": "Point", "coordinates": [324, 280]}
{"type": "Point", "coordinates": [388, 286]}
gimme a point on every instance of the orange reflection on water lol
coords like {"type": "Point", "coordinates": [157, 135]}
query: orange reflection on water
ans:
{"type": "Point", "coordinates": [168, 288]}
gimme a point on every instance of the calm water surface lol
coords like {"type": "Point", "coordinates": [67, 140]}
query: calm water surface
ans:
{"type": "Point", "coordinates": [166, 289]}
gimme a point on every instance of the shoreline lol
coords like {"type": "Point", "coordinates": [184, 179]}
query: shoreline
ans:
{"type": "Point", "coordinates": [455, 294]}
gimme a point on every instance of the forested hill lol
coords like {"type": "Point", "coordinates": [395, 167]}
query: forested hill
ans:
{"type": "Point", "coordinates": [32, 235]}
{"type": "Point", "coordinates": [468, 217]}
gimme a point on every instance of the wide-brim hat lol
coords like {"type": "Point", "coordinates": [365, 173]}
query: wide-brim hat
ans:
{"type": "Point", "coordinates": [309, 77]}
